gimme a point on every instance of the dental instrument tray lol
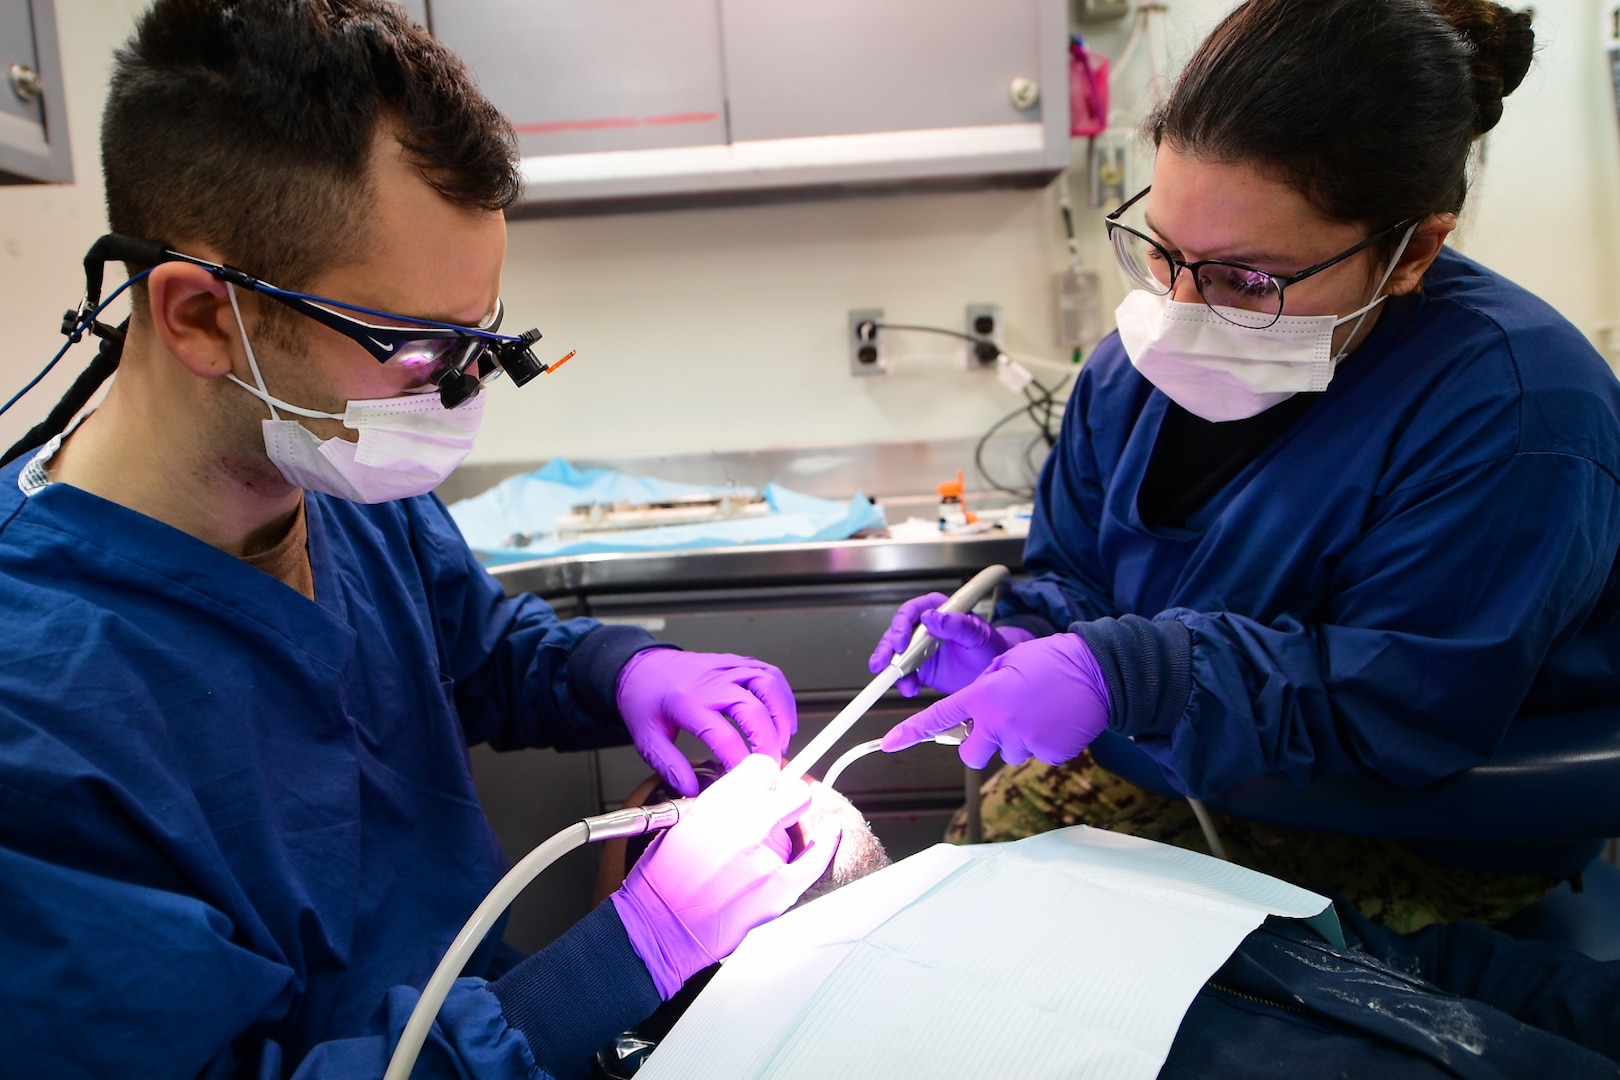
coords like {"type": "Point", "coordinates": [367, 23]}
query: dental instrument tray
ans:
{"type": "Point", "coordinates": [604, 517]}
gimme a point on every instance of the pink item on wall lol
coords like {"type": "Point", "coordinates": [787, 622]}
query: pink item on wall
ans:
{"type": "Point", "coordinates": [1088, 90]}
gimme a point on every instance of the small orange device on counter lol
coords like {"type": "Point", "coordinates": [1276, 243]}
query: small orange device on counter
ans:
{"type": "Point", "coordinates": [953, 511]}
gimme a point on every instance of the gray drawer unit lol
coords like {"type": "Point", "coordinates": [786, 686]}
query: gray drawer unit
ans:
{"type": "Point", "coordinates": [820, 637]}
{"type": "Point", "coordinates": [626, 103]}
{"type": "Point", "coordinates": [33, 113]}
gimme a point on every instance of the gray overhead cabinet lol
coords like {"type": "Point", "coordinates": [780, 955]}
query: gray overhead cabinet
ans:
{"type": "Point", "coordinates": [618, 102]}
{"type": "Point", "coordinates": [33, 115]}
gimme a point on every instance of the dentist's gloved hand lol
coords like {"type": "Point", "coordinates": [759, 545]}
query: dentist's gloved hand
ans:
{"type": "Point", "coordinates": [967, 644]}
{"type": "Point", "coordinates": [722, 870]}
{"type": "Point", "coordinates": [664, 691]}
{"type": "Point", "coordinates": [1044, 698]}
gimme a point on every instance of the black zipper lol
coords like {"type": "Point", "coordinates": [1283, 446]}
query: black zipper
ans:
{"type": "Point", "coordinates": [1257, 1000]}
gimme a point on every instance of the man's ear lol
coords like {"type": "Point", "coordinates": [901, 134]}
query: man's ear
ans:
{"type": "Point", "coordinates": [192, 316]}
{"type": "Point", "coordinates": [1421, 251]}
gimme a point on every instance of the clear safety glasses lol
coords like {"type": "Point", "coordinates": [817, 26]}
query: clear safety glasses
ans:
{"type": "Point", "coordinates": [1240, 294]}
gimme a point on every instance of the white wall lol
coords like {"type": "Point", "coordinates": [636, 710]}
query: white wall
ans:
{"type": "Point", "coordinates": [45, 230]}
{"type": "Point", "coordinates": [724, 328]}
{"type": "Point", "coordinates": [1546, 211]}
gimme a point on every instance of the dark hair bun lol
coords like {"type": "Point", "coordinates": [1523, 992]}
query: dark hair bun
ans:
{"type": "Point", "coordinates": [1503, 47]}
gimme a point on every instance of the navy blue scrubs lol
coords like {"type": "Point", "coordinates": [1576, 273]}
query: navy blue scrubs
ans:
{"type": "Point", "coordinates": [1425, 556]}
{"type": "Point", "coordinates": [238, 827]}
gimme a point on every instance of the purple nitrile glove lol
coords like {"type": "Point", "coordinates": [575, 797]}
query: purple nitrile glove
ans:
{"type": "Point", "coordinates": [722, 870]}
{"type": "Point", "coordinates": [664, 691]}
{"type": "Point", "coordinates": [1044, 698]}
{"type": "Point", "coordinates": [967, 644]}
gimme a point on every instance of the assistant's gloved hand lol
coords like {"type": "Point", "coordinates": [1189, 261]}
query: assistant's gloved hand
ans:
{"type": "Point", "coordinates": [664, 691]}
{"type": "Point", "coordinates": [1044, 698]}
{"type": "Point", "coordinates": [722, 870]}
{"type": "Point", "coordinates": [967, 644]}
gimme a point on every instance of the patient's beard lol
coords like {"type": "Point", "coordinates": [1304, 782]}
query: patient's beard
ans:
{"type": "Point", "coordinates": [859, 851]}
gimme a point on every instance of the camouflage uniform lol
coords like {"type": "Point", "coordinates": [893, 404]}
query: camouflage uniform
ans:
{"type": "Point", "coordinates": [1385, 879]}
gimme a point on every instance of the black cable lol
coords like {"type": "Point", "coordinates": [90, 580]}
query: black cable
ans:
{"type": "Point", "coordinates": [74, 325]}
{"type": "Point", "coordinates": [932, 330]}
{"type": "Point", "coordinates": [1032, 470]}
{"type": "Point", "coordinates": [986, 349]}
{"type": "Point", "coordinates": [1049, 403]}
{"type": "Point", "coordinates": [1036, 403]}
{"type": "Point", "coordinates": [1046, 401]}
{"type": "Point", "coordinates": [77, 396]}
{"type": "Point", "coordinates": [978, 454]}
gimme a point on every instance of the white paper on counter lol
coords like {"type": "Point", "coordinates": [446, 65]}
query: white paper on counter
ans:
{"type": "Point", "coordinates": [1075, 953]}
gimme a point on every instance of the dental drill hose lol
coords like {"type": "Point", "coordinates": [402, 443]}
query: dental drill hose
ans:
{"type": "Point", "coordinates": [631, 821]}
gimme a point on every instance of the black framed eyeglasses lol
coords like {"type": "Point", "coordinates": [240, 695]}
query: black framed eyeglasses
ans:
{"type": "Point", "coordinates": [1241, 294]}
{"type": "Point", "coordinates": [457, 359]}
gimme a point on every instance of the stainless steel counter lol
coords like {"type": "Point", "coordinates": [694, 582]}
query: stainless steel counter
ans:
{"type": "Point", "coordinates": [764, 565]}
{"type": "Point", "coordinates": [899, 476]}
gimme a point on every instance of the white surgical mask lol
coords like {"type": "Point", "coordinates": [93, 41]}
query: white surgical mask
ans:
{"type": "Point", "coordinates": [1221, 371]}
{"type": "Point", "coordinates": [407, 444]}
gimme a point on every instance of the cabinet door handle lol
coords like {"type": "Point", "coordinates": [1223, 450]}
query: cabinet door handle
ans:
{"type": "Point", "coordinates": [26, 82]}
{"type": "Point", "coordinates": [1025, 92]}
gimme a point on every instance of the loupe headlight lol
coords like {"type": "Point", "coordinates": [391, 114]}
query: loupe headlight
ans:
{"type": "Point", "coordinates": [480, 359]}
{"type": "Point", "coordinates": [518, 360]}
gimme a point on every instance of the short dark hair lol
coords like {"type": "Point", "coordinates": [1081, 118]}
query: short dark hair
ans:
{"type": "Point", "coordinates": [1368, 107]}
{"type": "Point", "coordinates": [248, 125]}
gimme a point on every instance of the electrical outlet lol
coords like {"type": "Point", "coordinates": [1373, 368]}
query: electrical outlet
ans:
{"type": "Point", "coordinates": [983, 322]}
{"type": "Point", "coordinates": [868, 351]}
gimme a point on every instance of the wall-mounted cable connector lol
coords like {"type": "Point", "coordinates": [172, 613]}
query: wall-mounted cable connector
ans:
{"type": "Point", "coordinates": [867, 331]}
{"type": "Point", "coordinates": [986, 341]}
{"type": "Point", "coordinates": [867, 354]}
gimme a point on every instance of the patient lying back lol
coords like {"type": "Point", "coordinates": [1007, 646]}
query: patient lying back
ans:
{"type": "Point", "coordinates": [860, 852]}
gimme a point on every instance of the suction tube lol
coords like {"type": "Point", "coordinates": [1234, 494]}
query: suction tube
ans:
{"type": "Point", "coordinates": [848, 758]}
{"type": "Point", "coordinates": [953, 737]}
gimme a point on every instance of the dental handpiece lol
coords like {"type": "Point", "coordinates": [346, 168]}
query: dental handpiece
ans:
{"type": "Point", "coordinates": [962, 600]}
{"type": "Point", "coordinates": [634, 820]}
{"type": "Point", "coordinates": [921, 647]}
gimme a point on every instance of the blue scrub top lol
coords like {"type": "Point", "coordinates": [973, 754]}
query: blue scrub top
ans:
{"type": "Point", "coordinates": [1425, 556]}
{"type": "Point", "coordinates": [237, 826]}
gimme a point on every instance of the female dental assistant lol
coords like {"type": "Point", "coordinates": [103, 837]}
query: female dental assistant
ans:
{"type": "Point", "coordinates": [1336, 500]}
